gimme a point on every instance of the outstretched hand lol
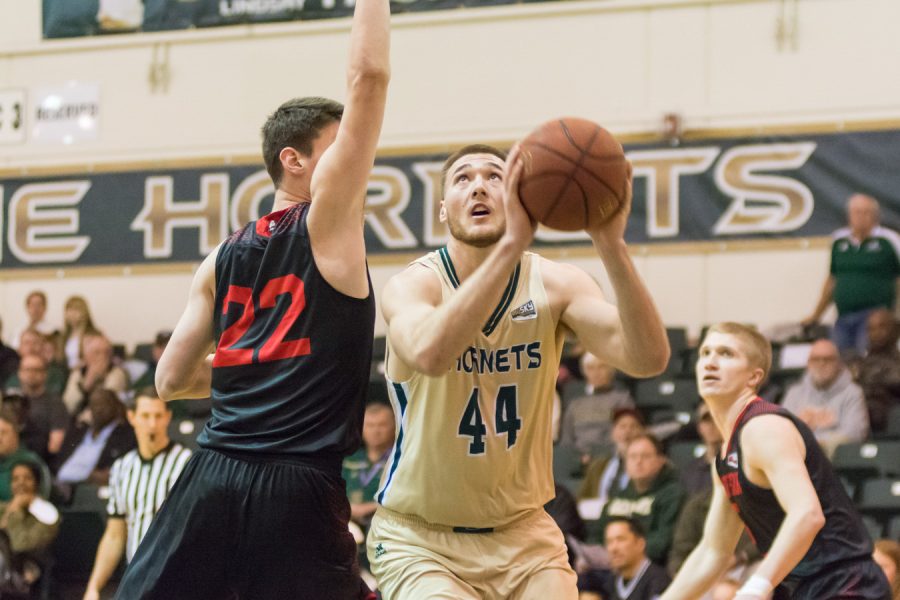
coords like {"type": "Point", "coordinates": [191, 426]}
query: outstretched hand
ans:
{"type": "Point", "coordinates": [520, 227]}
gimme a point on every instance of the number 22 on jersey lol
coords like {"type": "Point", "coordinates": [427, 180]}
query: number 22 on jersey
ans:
{"type": "Point", "coordinates": [506, 419]}
{"type": "Point", "coordinates": [275, 347]}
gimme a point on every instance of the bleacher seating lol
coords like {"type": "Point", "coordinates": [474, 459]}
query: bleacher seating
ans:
{"type": "Point", "coordinates": [682, 454]}
{"type": "Point", "coordinates": [880, 498]}
{"type": "Point", "coordinates": [857, 462]}
{"type": "Point", "coordinates": [666, 393]}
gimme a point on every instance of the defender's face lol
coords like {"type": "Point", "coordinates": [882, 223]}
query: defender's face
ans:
{"type": "Point", "coordinates": [473, 200]}
{"type": "Point", "coordinates": [723, 369]}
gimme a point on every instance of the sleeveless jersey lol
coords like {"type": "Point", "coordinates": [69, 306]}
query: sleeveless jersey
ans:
{"type": "Point", "coordinates": [473, 446]}
{"type": "Point", "coordinates": [843, 537]}
{"type": "Point", "coordinates": [293, 354]}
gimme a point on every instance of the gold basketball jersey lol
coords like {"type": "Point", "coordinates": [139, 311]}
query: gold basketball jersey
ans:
{"type": "Point", "coordinates": [473, 446]}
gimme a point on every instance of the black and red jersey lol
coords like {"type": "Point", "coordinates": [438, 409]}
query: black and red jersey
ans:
{"type": "Point", "coordinates": [293, 354]}
{"type": "Point", "coordinates": [844, 537]}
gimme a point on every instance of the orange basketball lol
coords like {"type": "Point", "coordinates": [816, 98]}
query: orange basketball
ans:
{"type": "Point", "coordinates": [575, 174]}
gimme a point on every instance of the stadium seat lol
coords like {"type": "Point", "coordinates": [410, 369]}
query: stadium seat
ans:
{"type": "Point", "coordinates": [880, 498]}
{"type": "Point", "coordinates": [893, 425]}
{"type": "Point", "coordinates": [185, 431]}
{"type": "Point", "coordinates": [860, 461]}
{"type": "Point", "coordinates": [683, 453]}
{"type": "Point", "coordinates": [873, 526]}
{"type": "Point", "coordinates": [675, 394]}
{"type": "Point", "coordinates": [567, 467]}
{"type": "Point", "coordinates": [893, 529]}
{"type": "Point", "coordinates": [143, 352]}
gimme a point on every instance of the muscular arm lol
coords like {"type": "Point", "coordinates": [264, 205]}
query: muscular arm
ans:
{"type": "Point", "coordinates": [775, 455]}
{"type": "Point", "coordinates": [109, 553]}
{"type": "Point", "coordinates": [341, 177]}
{"type": "Point", "coordinates": [630, 335]}
{"type": "Point", "coordinates": [706, 563]}
{"type": "Point", "coordinates": [427, 334]}
{"type": "Point", "coordinates": [183, 371]}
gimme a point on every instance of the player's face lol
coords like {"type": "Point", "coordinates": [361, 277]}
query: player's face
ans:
{"type": "Point", "coordinates": [150, 420]}
{"type": "Point", "coordinates": [723, 369]}
{"type": "Point", "coordinates": [624, 547]}
{"type": "Point", "coordinates": [473, 200]}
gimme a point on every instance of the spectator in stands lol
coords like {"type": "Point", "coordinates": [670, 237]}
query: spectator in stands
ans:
{"type": "Point", "coordinates": [91, 447]}
{"type": "Point", "coordinates": [865, 263]}
{"type": "Point", "coordinates": [362, 469]}
{"type": "Point", "coordinates": [606, 476]}
{"type": "Point", "coordinates": [9, 358]}
{"type": "Point", "coordinates": [689, 530]}
{"type": "Point", "coordinates": [31, 343]}
{"type": "Point", "coordinates": [587, 420]}
{"type": "Point", "coordinates": [878, 372]}
{"type": "Point", "coordinates": [887, 555]}
{"type": "Point", "coordinates": [151, 469]}
{"type": "Point", "coordinates": [98, 371]}
{"type": "Point", "coordinates": [696, 475]}
{"type": "Point", "coordinates": [77, 323]}
{"type": "Point", "coordinates": [36, 307]}
{"type": "Point", "coordinates": [11, 454]}
{"type": "Point", "coordinates": [159, 345]}
{"type": "Point", "coordinates": [45, 417]}
{"type": "Point", "coordinates": [636, 577]}
{"type": "Point", "coordinates": [827, 400]}
{"type": "Point", "coordinates": [653, 496]}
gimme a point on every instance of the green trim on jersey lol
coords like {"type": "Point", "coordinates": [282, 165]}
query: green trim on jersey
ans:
{"type": "Point", "coordinates": [505, 299]}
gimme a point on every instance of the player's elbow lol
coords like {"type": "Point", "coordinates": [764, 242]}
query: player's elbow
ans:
{"type": "Point", "coordinates": [369, 75]}
{"type": "Point", "coordinates": [651, 363]}
{"type": "Point", "coordinates": [165, 385]}
{"type": "Point", "coordinates": [431, 364]}
{"type": "Point", "coordinates": [815, 519]}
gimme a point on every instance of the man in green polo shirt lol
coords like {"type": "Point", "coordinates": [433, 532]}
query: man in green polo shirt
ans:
{"type": "Point", "coordinates": [865, 264]}
{"type": "Point", "coordinates": [362, 470]}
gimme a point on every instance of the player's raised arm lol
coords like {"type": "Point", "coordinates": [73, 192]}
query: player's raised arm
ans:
{"type": "Point", "coordinates": [183, 371]}
{"type": "Point", "coordinates": [775, 454]}
{"type": "Point", "coordinates": [339, 180]}
{"type": "Point", "coordinates": [631, 335]}
{"type": "Point", "coordinates": [706, 563]}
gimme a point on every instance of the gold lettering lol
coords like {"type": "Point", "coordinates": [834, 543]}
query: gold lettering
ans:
{"type": "Point", "coordinates": [38, 222]}
{"type": "Point", "coordinates": [388, 196]}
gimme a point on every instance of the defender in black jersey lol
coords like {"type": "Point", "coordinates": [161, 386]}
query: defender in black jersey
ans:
{"type": "Point", "coordinates": [287, 310]}
{"type": "Point", "coordinates": [776, 481]}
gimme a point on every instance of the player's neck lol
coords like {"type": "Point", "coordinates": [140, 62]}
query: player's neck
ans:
{"type": "Point", "coordinates": [725, 411]}
{"type": "Point", "coordinates": [466, 258]}
{"type": "Point", "coordinates": [286, 199]}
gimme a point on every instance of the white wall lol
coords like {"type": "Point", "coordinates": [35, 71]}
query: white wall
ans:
{"type": "Point", "coordinates": [485, 74]}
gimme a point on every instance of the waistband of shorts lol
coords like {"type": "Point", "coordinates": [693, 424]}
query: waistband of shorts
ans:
{"type": "Point", "coordinates": [329, 464]}
{"type": "Point", "coordinates": [418, 521]}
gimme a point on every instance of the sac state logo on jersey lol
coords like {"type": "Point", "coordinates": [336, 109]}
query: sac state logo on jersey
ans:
{"type": "Point", "coordinates": [525, 312]}
{"type": "Point", "coordinates": [732, 460]}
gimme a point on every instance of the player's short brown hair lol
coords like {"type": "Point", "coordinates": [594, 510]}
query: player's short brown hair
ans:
{"type": "Point", "coordinates": [464, 151]}
{"type": "Point", "coordinates": [755, 344]}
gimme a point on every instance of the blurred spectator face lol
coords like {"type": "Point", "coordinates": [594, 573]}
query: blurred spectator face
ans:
{"type": "Point", "coordinates": [36, 307]}
{"type": "Point", "coordinates": [882, 330]}
{"type": "Point", "coordinates": [23, 481]}
{"type": "Point", "coordinates": [596, 372]}
{"type": "Point", "coordinates": [33, 374]}
{"type": "Point", "coordinates": [725, 590]}
{"type": "Point", "coordinates": [9, 438]}
{"type": "Point", "coordinates": [378, 426]}
{"type": "Point", "coordinates": [159, 345]}
{"type": "Point", "coordinates": [862, 214]}
{"type": "Point", "coordinates": [626, 550]}
{"type": "Point", "coordinates": [824, 364]}
{"type": "Point", "coordinates": [31, 343]}
{"type": "Point", "coordinates": [150, 420]}
{"type": "Point", "coordinates": [104, 406]}
{"type": "Point", "coordinates": [48, 348]}
{"type": "Point", "coordinates": [625, 429]}
{"type": "Point", "coordinates": [642, 463]}
{"type": "Point", "coordinates": [97, 350]}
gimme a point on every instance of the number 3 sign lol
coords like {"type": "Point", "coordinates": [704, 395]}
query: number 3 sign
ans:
{"type": "Point", "coordinates": [12, 116]}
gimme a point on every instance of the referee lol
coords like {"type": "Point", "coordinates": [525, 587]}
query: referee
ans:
{"type": "Point", "coordinates": [139, 483]}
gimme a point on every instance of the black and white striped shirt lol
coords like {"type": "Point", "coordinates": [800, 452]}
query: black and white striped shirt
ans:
{"type": "Point", "coordinates": [138, 488]}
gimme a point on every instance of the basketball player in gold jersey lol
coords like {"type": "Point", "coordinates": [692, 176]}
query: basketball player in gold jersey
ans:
{"type": "Point", "coordinates": [475, 332]}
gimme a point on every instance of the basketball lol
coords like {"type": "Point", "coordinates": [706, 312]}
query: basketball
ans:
{"type": "Point", "coordinates": [575, 174]}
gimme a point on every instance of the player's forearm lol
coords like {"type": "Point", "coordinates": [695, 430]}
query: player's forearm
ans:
{"type": "Point", "coordinates": [699, 572]}
{"type": "Point", "coordinates": [442, 337]}
{"type": "Point", "coordinates": [644, 338]}
{"type": "Point", "coordinates": [109, 553]}
{"type": "Point", "coordinates": [370, 44]}
{"type": "Point", "coordinates": [795, 536]}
